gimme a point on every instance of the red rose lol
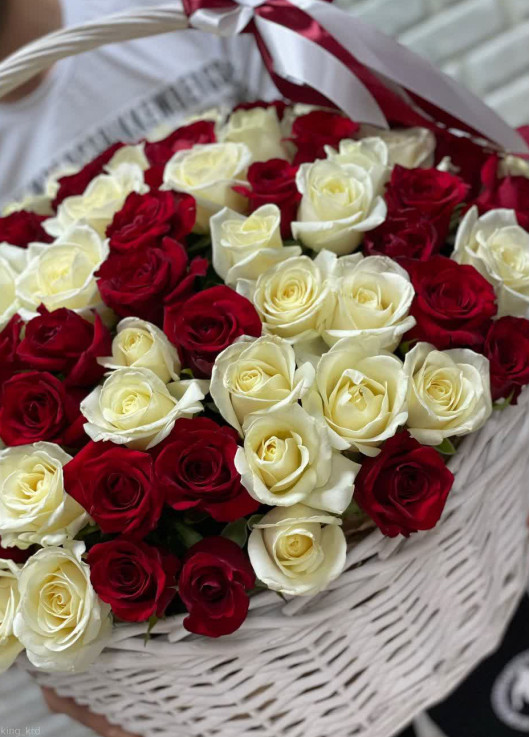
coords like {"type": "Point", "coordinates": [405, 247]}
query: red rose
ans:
{"type": "Point", "coordinates": [136, 579]}
{"type": "Point", "coordinates": [317, 129]}
{"type": "Point", "coordinates": [503, 192]}
{"type": "Point", "coordinates": [136, 283]}
{"type": "Point", "coordinates": [432, 192]}
{"type": "Point", "coordinates": [36, 406]}
{"type": "Point", "coordinates": [63, 342]}
{"type": "Point", "coordinates": [452, 303]}
{"type": "Point", "coordinates": [159, 152]}
{"type": "Point", "coordinates": [23, 227]}
{"type": "Point", "coordinates": [17, 555]}
{"type": "Point", "coordinates": [207, 323]}
{"type": "Point", "coordinates": [404, 234]}
{"type": "Point", "coordinates": [506, 347]}
{"type": "Point", "coordinates": [465, 154]}
{"type": "Point", "coordinates": [116, 487]}
{"type": "Point", "coordinates": [405, 487]}
{"type": "Point", "coordinates": [195, 468]}
{"type": "Point", "coordinates": [213, 585]}
{"type": "Point", "coordinates": [146, 218]}
{"type": "Point", "coordinates": [279, 105]}
{"type": "Point", "coordinates": [273, 182]}
{"type": "Point", "coordinates": [74, 184]}
{"type": "Point", "coordinates": [9, 341]}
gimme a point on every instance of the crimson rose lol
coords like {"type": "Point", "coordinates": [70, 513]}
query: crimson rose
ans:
{"type": "Point", "coordinates": [62, 341]}
{"type": "Point", "coordinates": [195, 468]}
{"type": "Point", "coordinates": [279, 105]}
{"type": "Point", "coordinates": [452, 303]}
{"type": "Point", "coordinates": [136, 579]}
{"type": "Point", "coordinates": [404, 234]}
{"type": "Point", "coordinates": [74, 184]}
{"type": "Point", "coordinates": [506, 347]}
{"type": "Point", "coordinates": [37, 406]}
{"type": "Point", "coordinates": [432, 192]}
{"type": "Point", "coordinates": [317, 129]}
{"type": "Point", "coordinates": [9, 341]}
{"type": "Point", "coordinates": [116, 487]}
{"type": "Point", "coordinates": [17, 555]}
{"type": "Point", "coordinates": [136, 283]}
{"type": "Point", "coordinates": [159, 152]}
{"type": "Point", "coordinates": [503, 192]}
{"type": "Point", "coordinates": [207, 323]}
{"type": "Point", "coordinates": [405, 487]}
{"type": "Point", "coordinates": [213, 585]}
{"type": "Point", "coordinates": [146, 218]}
{"type": "Point", "coordinates": [23, 227]}
{"type": "Point", "coordinates": [273, 182]}
{"type": "Point", "coordinates": [466, 155]}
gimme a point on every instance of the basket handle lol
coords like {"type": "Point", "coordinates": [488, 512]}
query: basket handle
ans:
{"type": "Point", "coordinates": [43, 53]}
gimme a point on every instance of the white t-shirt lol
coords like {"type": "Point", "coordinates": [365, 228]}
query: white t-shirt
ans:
{"type": "Point", "coordinates": [119, 92]}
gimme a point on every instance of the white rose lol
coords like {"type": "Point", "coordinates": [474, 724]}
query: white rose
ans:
{"type": "Point", "coordinates": [287, 459]}
{"type": "Point", "coordinates": [513, 166]}
{"type": "Point", "coordinates": [339, 203]}
{"type": "Point", "coordinates": [209, 172]}
{"type": "Point", "coordinates": [134, 407]}
{"type": "Point", "coordinates": [258, 129]}
{"type": "Point", "coordinates": [34, 506]}
{"type": "Point", "coordinates": [245, 247]}
{"type": "Point", "coordinates": [408, 147]}
{"type": "Point", "coordinates": [133, 155]}
{"type": "Point", "coordinates": [100, 201]}
{"type": "Point", "coordinates": [256, 375]}
{"type": "Point", "coordinates": [361, 393]}
{"type": "Point", "coordinates": [373, 297]}
{"type": "Point", "coordinates": [61, 274]}
{"type": "Point", "coordinates": [292, 298]}
{"type": "Point", "coordinates": [370, 154]}
{"type": "Point", "coordinates": [297, 550]}
{"type": "Point", "coordinates": [10, 647]}
{"type": "Point", "coordinates": [61, 622]}
{"type": "Point", "coordinates": [12, 262]}
{"type": "Point", "coordinates": [140, 344]}
{"type": "Point", "coordinates": [498, 248]}
{"type": "Point", "coordinates": [449, 392]}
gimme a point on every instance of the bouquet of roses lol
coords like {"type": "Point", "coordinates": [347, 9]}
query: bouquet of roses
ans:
{"type": "Point", "coordinates": [218, 345]}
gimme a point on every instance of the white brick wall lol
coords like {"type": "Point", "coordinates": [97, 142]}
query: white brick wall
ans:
{"type": "Point", "coordinates": [483, 43]}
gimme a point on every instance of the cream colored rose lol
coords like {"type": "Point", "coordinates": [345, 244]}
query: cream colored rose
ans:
{"type": "Point", "coordinates": [140, 344]}
{"type": "Point", "coordinates": [100, 201]}
{"type": "Point", "coordinates": [297, 550]}
{"type": "Point", "coordinates": [339, 203]}
{"type": "Point", "coordinates": [133, 155]}
{"type": "Point", "coordinates": [245, 247]}
{"type": "Point", "coordinates": [10, 647]}
{"type": "Point", "coordinates": [361, 393]}
{"type": "Point", "coordinates": [34, 506]}
{"type": "Point", "coordinates": [408, 147]}
{"type": "Point", "coordinates": [12, 262]}
{"type": "Point", "coordinates": [287, 458]}
{"type": "Point", "coordinates": [258, 129]}
{"type": "Point", "coordinates": [61, 274]}
{"type": "Point", "coordinates": [513, 166]}
{"type": "Point", "coordinates": [449, 392]}
{"type": "Point", "coordinates": [373, 297]}
{"type": "Point", "coordinates": [370, 154]}
{"type": "Point", "coordinates": [292, 298]}
{"type": "Point", "coordinates": [209, 172]}
{"type": "Point", "coordinates": [498, 248]}
{"type": "Point", "coordinates": [134, 407]}
{"type": "Point", "coordinates": [61, 621]}
{"type": "Point", "coordinates": [257, 375]}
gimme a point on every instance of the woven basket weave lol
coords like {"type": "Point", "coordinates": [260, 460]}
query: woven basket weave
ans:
{"type": "Point", "coordinates": [406, 621]}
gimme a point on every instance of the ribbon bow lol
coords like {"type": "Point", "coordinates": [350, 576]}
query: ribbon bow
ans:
{"type": "Point", "coordinates": [320, 55]}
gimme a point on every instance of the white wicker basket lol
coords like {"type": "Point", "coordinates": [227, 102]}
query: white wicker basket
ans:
{"type": "Point", "coordinates": [407, 620]}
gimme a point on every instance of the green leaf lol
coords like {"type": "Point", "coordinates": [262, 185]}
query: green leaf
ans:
{"type": "Point", "coordinates": [254, 520]}
{"type": "Point", "coordinates": [353, 510]}
{"type": "Point", "coordinates": [87, 531]}
{"type": "Point", "coordinates": [236, 531]}
{"type": "Point", "coordinates": [186, 373]}
{"type": "Point", "coordinates": [405, 346]}
{"type": "Point", "coordinates": [150, 624]}
{"type": "Point", "coordinates": [446, 448]}
{"type": "Point", "coordinates": [498, 406]}
{"type": "Point", "coordinates": [187, 535]}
